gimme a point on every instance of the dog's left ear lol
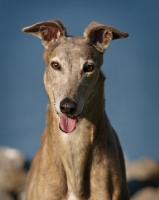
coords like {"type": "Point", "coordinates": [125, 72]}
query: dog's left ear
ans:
{"type": "Point", "coordinates": [49, 31]}
{"type": "Point", "coordinates": [101, 35]}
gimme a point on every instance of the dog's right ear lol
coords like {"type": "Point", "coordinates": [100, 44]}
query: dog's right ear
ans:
{"type": "Point", "coordinates": [48, 32]}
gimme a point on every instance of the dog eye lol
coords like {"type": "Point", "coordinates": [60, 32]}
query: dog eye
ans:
{"type": "Point", "coordinates": [88, 68]}
{"type": "Point", "coordinates": [55, 66]}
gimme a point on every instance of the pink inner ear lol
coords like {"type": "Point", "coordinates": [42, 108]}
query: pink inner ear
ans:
{"type": "Point", "coordinates": [100, 36]}
{"type": "Point", "coordinates": [97, 36]}
{"type": "Point", "coordinates": [49, 33]}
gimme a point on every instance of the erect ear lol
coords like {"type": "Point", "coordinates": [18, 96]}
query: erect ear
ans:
{"type": "Point", "coordinates": [101, 35]}
{"type": "Point", "coordinates": [49, 31]}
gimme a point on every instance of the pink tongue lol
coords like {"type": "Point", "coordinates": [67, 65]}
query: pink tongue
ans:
{"type": "Point", "coordinates": [67, 124]}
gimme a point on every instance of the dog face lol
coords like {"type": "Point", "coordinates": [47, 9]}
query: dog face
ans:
{"type": "Point", "coordinates": [72, 65]}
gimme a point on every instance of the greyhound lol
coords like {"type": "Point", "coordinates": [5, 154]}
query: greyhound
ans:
{"type": "Point", "coordinates": [80, 157]}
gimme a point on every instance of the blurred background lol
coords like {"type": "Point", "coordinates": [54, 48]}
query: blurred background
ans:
{"type": "Point", "coordinates": [130, 65]}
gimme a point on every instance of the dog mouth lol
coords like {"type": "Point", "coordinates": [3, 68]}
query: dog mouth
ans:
{"type": "Point", "coordinates": [67, 124]}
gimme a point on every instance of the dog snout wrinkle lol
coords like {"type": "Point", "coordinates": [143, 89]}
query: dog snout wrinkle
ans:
{"type": "Point", "coordinates": [67, 106]}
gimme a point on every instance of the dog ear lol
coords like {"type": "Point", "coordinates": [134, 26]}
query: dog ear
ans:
{"type": "Point", "coordinates": [101, 35]}
{"type": "Point", "coordinates": [49, 31]}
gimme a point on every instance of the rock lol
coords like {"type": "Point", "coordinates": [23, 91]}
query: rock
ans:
{"type": "Point", "coordinates": [148, 193]}
{"type": "Point", "coordinates": [12, 173]}
{"type": "Point", "coordinates": [142, 169]}
{"type": "Point", "coordinates": [4, 196]}
{"type": "Point", "coordinates": [143, 179]}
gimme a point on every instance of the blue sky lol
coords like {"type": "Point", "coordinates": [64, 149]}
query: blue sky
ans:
{"type": "Point", "coordinates": [130, 65]}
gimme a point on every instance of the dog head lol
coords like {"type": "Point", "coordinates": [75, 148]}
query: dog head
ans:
{"type": "Point", "coordinates": [72, 65]}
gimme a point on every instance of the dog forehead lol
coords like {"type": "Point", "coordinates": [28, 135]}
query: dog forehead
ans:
{"type": "Point", "coordinates": [74, 47]}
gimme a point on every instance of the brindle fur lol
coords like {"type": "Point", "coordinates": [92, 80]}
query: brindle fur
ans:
{"type": "Point", "coordinates": [88, 163]}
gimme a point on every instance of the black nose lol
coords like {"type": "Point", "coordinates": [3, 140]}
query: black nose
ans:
{"type": "Point", "coordinates": [67, 106]}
